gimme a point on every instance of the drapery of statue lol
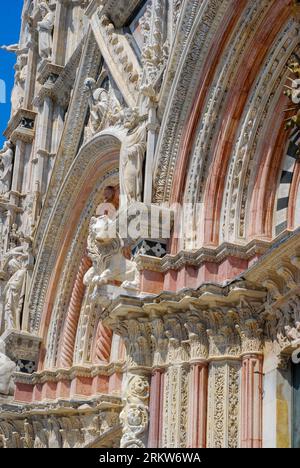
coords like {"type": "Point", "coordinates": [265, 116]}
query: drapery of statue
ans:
{"type": "Point", "coordinates": [17, 97]}
{"type": "Point", "coordinates": [7, 368]}
{"type": "Point", "coordinates": [45, 28]}
{"type": "Point", "coordinates": [6, 166]}
{"type": "Point", "coordinates": [14, 271]}
{"type": "Point", "coordinates": [104, 106]}
{"type": "Point", "coordinates": [132, 156]}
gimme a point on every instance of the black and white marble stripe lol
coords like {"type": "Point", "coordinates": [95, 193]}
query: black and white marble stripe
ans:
{"type": "Point", "coordinates": [283, 194]}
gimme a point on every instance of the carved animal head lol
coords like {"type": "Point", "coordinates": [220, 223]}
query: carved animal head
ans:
{"type": "Point", "coordinates": [102, 230]}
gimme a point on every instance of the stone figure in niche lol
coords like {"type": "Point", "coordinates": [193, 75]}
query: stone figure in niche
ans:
{"type": "Point", "coordinates": [104, 107]}
{"type": "Point", "coordinates": [17, 97]}
{"type": "Point", "coordinates": [14, 266]}
{"type": "Point", "coordinates": [132, 156]}
{"type": "Point", "coordinates": [21, 69]}
{"type": "Point", "coordinates": [45, 28]}
{"type": "Point", "coordinates": [6, 166]}
{"type": "Point", "coordinates": [98, 103]}
{"type": "Point", "coordinates": [29, 10]}
{"type": "Point", "coordinates": [7, 368]}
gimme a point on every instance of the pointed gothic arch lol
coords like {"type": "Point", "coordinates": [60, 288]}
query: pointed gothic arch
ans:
{"type": "Point", "coordinates": [65, 240]}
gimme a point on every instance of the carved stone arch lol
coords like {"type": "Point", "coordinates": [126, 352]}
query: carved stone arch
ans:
{"type": "Point", "coordinates": [209, 124]}
{"type": "Point", "coordinates": [216, 72]}
{"type": "Point", "coordinates": [206, 20]}
{"type": "Point", "coordinates": [217, 93]}
{"type": "Point", "coordinates": [74, 125]}
{"type": "Point", "coordinates": [244, 212]}
{"type": "Point", "coordinates": [69, 220]}
{"type": "Point", "coordinates": [76, 265]}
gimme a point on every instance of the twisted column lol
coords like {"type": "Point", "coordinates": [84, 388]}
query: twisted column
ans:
{"type": "Point", "coordinates": [71, 323]}
{"type": "Point", "coordinates": [103, 343]}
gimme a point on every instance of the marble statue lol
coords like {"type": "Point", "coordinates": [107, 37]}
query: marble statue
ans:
{"type": "Point", "coordinates": [109, 263]}
{"type": "Point", "coordinates": [15, 266]}
{"type": "Point", "coordinates": [132, 156]}
{"type": "Point", "coordinates": [104, 107]}
{"type": "Point", "coordinates": [29, 9]}
{"type": "Point", "coordinates": [6, 166]}
{"type": "Point", "coordinates": [98, 103]}
{"type": "Point", "coordinates": [45, 28]}
{"type": "Point", "coordinates": [17, 97]}
{"type": "Point", "coordinates": [7, 368]}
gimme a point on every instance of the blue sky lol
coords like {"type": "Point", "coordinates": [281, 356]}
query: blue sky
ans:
{"type": "Point", "coordinates": [10, 14]}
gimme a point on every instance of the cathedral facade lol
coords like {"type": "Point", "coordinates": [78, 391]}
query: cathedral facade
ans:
{"type": "Point", "coordinates": [150, 226]}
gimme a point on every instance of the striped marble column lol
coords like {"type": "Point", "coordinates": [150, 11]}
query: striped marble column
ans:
{"type": "Point", "coordinates": [252, 385]}
{"type": "Point", "coordinates": [197, 410]}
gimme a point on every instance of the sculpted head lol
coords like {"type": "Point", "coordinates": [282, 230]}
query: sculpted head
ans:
{"type": "Point", "coordinates": [131, 118]}
{"type": "Point", "coordinates": [44, 9]}
{"type": "Point", "coordinates": [90, 83]}
{"type": "Point", "coordinates": [101, 230]}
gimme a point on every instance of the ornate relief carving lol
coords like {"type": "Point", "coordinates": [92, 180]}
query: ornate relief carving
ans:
{"type": "Point", "coordinates": [135, 417]}
{"type": "Point", "coordinates": [224, 405]}
{"type": "Point", "coordinates": [104, 107]}
{"type": "Point", "coordinates": [45, 28]}
{"type": "Point", "coordinates": [109, 263]}
{"type": "Point", "coordinates": [156, 48]}
{"type": "Point", "coordinates": [175, 406]}
{"type": "Point", "coordinates": [223, 338]}
{"type": "Point", "coordinates": [79, 426]}
{"type": "Point", "coordinates": [171, 133]}
{"type": "Point", "coordinates": [198, 339]}
{"type": "Point", "coordinates": [7, 368]}
{"type": "Point", "coordinates": [250, 329]}
{"type": "Point", "coordinates": [6, 166]}
{"type": "Point", "coordinates": [14, 271]}
{"type": "Point", "coordinates": [159, 342]}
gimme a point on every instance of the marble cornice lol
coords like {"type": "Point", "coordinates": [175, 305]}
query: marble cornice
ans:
{"type": "Point", "coordinates": [72, 406]}
{"type": "Point", "coordinates": [209, 295]}
{"type": "Point", "coordinates": [205, 254]}
{"type": "Point", "coordinates": [16, 131]}
{"type": "Point", "coordinates": [57, 375]}
{"type": "Point", "coordinates": [280, 250]}
{"type": "Point", "coordinates": [48, 69]}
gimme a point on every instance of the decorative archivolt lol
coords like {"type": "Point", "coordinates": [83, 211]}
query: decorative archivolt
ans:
{"type": "Point", "coordinates": [74, 257]}
{"type": "Point", "coordinates": [197, 47]}
{"type": "Point", "coordinates": [248, 151]}
{"type": "Point", "coordinates": [210, 121]}
{"type": "Point", "coordinates": [261, 102]}
{"type": "Point", "coordinates": [94, 160]}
